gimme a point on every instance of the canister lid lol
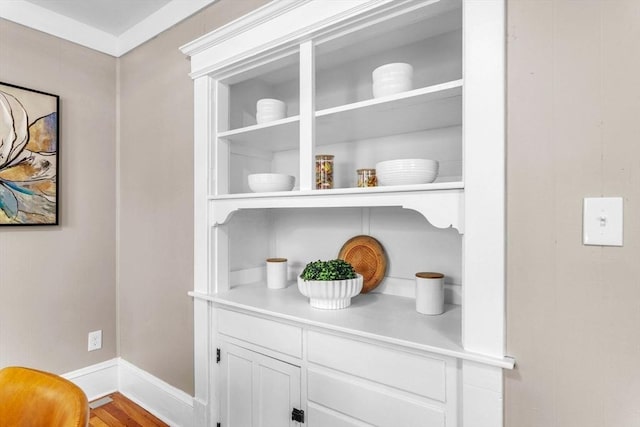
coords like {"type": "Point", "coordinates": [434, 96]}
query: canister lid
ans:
{"type": "Point", "coordinates": [429, 275]}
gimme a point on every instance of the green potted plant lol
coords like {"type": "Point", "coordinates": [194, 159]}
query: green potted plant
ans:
{"type": "Point", "coordinates": [329, 284]}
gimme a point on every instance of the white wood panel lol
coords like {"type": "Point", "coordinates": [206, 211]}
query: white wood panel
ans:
{"type": "Point", "coordinates": [370, 403]}
{"type": "Point", "coordinates": [278, 391]}
{"type": "Point", "coordinates": [425, 376]}
{"type": "Point", "coordinates": [413, 245]}
{"type": "Point", "coordinates": [249, 235]}
{"type": "Point", "coordinates": [482, 389]}
{"type": "Point", "coordinates": [219, 155]}
{"type": "Point", "coordinates": [237, 389]}
{"type": "Point", "coordinates": [440, 203]}
{"type": "Point", "coordinates": [257, 390]}
{"type": "Point", "coordinates": [276, 336]}
{"type": "Point", "coordinates": [307, 118]}
{"type": "Point", "coordinates": [319, 416]}
{"type": "Point", "coordinates": [382, 318]}
{"type": "Point", "coordinates": [484, 144]}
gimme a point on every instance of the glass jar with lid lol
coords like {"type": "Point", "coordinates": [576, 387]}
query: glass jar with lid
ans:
{"type": "Point", "coordinates": [324, 171]}
{"type": "Point", "coordinates": [367, 178]}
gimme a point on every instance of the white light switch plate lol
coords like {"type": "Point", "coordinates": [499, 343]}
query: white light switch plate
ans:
{"type": "Point", "coordinates": [602, 221]}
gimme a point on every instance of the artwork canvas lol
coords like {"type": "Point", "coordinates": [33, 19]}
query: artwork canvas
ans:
{"type": "Point", "coordinates": [28, 156]}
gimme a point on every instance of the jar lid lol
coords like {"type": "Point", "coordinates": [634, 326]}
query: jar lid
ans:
{"type": "Point", "coordinates": [324, 156]}
{"type": "Point", "coordinates": [366, 170]}
{"type": "Point", "coordinates": [429, 275]}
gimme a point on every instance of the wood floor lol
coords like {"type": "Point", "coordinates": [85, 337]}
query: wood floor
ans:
{"type": "Point", "coordinates": [122, 412]}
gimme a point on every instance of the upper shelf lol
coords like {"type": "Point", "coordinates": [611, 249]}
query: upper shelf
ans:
{"type": "Point", "coordinates": [440, 203]}
{"type": "Point", "coordinates": [278, 135]}
{"type": "Point", "coordinates": [426, 108]}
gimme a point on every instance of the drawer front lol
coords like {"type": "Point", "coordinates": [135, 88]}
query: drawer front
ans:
{"type": "Point", "coordinates": [424, 376]}
{"type": "Point", "coordinates": [276, 336]}
{"type": "Point", "coordinates": [370, 403]}
{"type": "Point", "coordinates": [319, 416]}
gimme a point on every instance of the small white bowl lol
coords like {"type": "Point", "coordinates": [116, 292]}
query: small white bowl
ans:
{"type": "Point", "coordinates": [268, 117]}
{"type": "Point", "coordinates": [392, 88]}
{"type": "Point", "coordinates": [396, 70]}
{"type": "Point", "coordinates": [268, 104]}
{"type": "Point", "coordinates": [423, 178]}
{"type": "Point", "coordinates": [330, 294]}
{"type": "Point", "coordinates": [268, 110]}
{"type": "Point", "coordinates": [390, 79]}
{"type": "Point", "coordinates": [405, 164]}
{"type": "Point", "coordinates": [406, 171]}
{"type": "Point", "coordinates": [267, 182]}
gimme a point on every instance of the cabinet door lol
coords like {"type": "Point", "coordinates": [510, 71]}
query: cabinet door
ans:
{"type": "Point", "coordinates": [256, 390]}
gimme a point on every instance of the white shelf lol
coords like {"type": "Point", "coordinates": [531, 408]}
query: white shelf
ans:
{"type": "Point", "coordinates": [278, 135]}
{"type": "Point", "coordinates": [440, 203]}
{"type": "Point", "coordinates": [384, 318]}
{"type": "Point", "coordinates": [421, 109]}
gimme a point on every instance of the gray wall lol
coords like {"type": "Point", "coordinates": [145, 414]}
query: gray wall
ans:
{"type": "Point", "coordinates": [573, 319]}
{"type": "Point", "coordinates": [156, 198]}
{"type": "Point", "coordinates": [57, 283]}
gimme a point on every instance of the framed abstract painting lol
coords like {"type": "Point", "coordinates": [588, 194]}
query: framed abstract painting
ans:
{"type": "Point", "coordinates": [29, 131]}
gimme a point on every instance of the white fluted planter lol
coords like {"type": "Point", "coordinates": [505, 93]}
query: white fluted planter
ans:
{"type": "Point", "coordinates": [330, 294]}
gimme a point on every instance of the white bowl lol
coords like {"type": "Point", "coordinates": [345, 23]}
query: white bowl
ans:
{"type": "Point", "coordinates": [270, 104]}
{"type": "Point", "coordinates": [390, 79]}
{"type": "Point", "coordinates": [268, 109]}
{"type": "Point", "coordinates": [387, 89]}
{"type": "Point", "coordinates": [406, 171]}
{"type": "Point", "coordinates": [426, 178]}
{"type": "Point", "coordinates": [407, 164]}
{"type": "Point", "coordinates": [268, 117]}
{"type": "Point", "coordinates": [266, 182]}
{"type": "Point", "coordinates": [394, 69]}
{"type": "Point", "coordinates": [330, 294]}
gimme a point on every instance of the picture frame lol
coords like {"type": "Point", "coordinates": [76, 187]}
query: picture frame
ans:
{"type": "Point", "coordinates": [29, 156]}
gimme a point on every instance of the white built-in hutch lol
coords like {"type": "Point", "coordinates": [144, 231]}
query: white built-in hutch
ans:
{"type": "Point", "coordinates": [265, 357]}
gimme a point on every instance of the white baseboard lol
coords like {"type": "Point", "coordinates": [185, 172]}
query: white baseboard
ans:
{"type": "Point", "coordinates": [96, 380]}
{"type": "Point", "coordinates": [169, 404]}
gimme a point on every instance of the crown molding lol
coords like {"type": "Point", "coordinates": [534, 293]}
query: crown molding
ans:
{"type": "Point", "coordinates": [41, 19]}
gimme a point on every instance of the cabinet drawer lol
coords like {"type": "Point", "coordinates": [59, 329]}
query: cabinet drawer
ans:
{"type": "Point", "coordinates": [319, 416]}
{"type": "Point", "coordinates": [371, 403]}
{"type": "Point", "coordinates": [276, 336]}
{"type": "Point", "coordinates": [424, 376]}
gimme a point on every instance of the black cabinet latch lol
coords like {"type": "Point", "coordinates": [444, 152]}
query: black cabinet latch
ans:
{"type": "Point", "coordinates": [217, 355]}
{"type": "Point", "coordinates": [297, 415]}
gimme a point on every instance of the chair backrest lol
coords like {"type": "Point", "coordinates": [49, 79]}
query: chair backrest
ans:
{"type": "Point", "coordinates": [30, 398]}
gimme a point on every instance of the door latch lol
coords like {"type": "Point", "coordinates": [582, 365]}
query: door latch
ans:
{"type": "Point", "coordinates": [297, 415]}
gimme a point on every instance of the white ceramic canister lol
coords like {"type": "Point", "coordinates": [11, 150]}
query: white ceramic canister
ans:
{"type": "Point", "coordinates": [276, 273]}
{"type": "Point", "coordinates": [430, 293]}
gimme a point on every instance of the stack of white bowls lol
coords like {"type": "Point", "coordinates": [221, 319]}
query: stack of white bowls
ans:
{"type": "Point", "coordinates": [268, 110]}
{"type": "Point", "coordinates": [406, 171]}
{"type": "Point", "coordinates": [392, 78]}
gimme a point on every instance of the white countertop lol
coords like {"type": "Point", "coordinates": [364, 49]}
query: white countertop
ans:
{"type": "Point", "coordinates": [385, 318]}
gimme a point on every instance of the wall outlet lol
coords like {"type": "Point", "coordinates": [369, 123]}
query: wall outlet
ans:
{"type": "Point", "coordinates": [95, 340]}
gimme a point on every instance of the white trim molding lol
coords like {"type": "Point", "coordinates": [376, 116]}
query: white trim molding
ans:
{"type": "Point", "coordinates": [169, 404]}
{"type": "Point", "coordinates": [41, 19]}
{"type": "Point", "coordinates": [96, 380]}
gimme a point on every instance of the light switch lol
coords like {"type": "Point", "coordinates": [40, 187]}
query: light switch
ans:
{"type": "Point", "coordinates": [602, 221]}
